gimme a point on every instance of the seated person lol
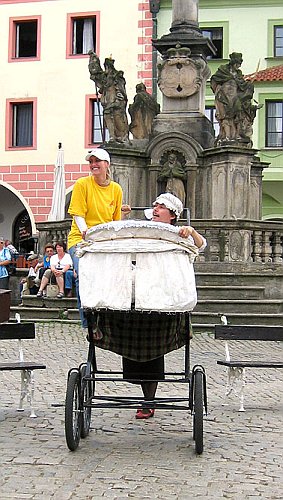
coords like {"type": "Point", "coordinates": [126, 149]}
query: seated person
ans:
{"type": "Point", "coordinates": [70, 282]}
{"type": "Point", "coordinates": [45, 264]}
{"type": "Point", "coordinates": [30, 284]}
{"type": "Point", "coordinates": [60, 263]}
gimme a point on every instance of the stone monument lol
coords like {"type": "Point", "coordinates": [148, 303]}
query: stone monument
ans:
{"type": "Point", "coordinates": [142, 112]}
{"type": "Point", "coordinates": [235, 110]}
{"type": "Point", "coordinates": [111, 84]}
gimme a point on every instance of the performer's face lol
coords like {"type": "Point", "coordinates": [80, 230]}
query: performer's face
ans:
{"type": "Point", "coordinates": [162, 214]}
{"type": "Point", "coordinates": [98, 167]}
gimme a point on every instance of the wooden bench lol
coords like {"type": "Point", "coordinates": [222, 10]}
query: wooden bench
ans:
{"type": "Point", "coordinates": [20, 331]}
{"type": "Point", "coordinates": [236, 367]}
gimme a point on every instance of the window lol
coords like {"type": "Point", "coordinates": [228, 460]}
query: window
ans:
{"type": "Point", "coordinates": [82, 34]}
{"type": "Point", "coordinates": [274, 124]}
{"type": "Point", "coordinates": [216, 36]}
{"type": "Point", "coordinates": [275, 38]}
{"type": "Point", "coordinates": [21, 118]}
{"type": "Point", "coordinates": [210, 114]}
{"type": "Point", "coordinates": [96, 132]}
{"type": "Point", "coordinates": [99, 131]}
{"type": "Point", "coordinates": [24, 38]}
{"type": "Point", "coordinates": [278, 41]}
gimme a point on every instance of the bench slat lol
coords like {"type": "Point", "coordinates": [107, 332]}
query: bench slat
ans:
{"type": "Point", "coordinates": [251, 364]}
{"type": "Point", "coordinates": [22, 365]}
{"type": "Point", "coordinates": [16, 331]}
{"type": "Point", "coordinates": [248, 332]}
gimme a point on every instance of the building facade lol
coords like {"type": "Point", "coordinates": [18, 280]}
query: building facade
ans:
{"type": "Point", "coordinates": [47, 96]}
{"type": "Point", "coordinates": [255, 29]}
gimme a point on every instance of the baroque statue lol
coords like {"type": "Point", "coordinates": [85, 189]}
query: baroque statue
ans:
{"type": "Point", "coordinates": [142, 112]}
{"type": "Point", "coordinates": [172, 176]}
{"type": "Point", "coordinates": [235, 110]}
{"type": "Point", "coordinates": [111, 85]}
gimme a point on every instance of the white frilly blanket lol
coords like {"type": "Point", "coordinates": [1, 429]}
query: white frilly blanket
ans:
{"type": "Point", "coordinates": [162, 278]}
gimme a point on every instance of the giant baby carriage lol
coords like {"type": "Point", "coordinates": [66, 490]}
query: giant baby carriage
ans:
{"type": "Point", "coordinates": [137, 288]}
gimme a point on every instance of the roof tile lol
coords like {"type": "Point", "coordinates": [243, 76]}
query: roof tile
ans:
{"type": "Point", "coordinates": [273, 74]}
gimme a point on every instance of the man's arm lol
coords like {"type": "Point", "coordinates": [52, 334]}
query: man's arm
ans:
{"type": "Point", "coordinates": [186, 231]}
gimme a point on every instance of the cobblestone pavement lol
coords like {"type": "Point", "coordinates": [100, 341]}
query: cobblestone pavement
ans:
{"type": "Point", "coordinates": [126, 458]}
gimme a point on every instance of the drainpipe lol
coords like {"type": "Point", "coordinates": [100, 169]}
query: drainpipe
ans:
{"type": "Point", "coordinates": [154, 6]}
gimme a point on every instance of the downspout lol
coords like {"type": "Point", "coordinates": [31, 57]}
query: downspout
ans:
{"type": "Point", "coordinates": [154, 6]}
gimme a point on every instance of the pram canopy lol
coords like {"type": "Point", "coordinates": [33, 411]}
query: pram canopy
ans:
{"type": "Point", "coordinates": [140, 265]}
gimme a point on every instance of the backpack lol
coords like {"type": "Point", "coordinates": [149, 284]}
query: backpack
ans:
{"type": "Point", "coordinates": [11, 268]}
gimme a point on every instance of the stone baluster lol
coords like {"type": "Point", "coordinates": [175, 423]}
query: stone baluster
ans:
{"type": "Point", "coordinates": [223, 239]}
{"type": "Point", "coordinates": [214, 242]}
{"type": "Point", "coordinates": [277, 247]}
{"type": "Point", "coordinates": [266, 246]}
{"type": "Point", "coordinates": [257, 246]}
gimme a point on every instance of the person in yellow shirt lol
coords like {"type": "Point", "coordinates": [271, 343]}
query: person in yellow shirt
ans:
{"type": "Point", "coordinates": [96, 199]}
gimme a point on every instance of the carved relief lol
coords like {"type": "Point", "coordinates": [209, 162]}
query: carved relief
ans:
{"type": "Point", "coordinates": [179, 75]}
{"type": "Point", "coordinates": [240, 246]}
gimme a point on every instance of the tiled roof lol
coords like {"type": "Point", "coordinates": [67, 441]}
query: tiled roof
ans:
{"type": "Point", "coordinates": [274, 74]}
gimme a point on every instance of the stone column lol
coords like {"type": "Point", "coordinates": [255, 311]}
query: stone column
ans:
{"type": "Point", "coordinates": [184, 12]}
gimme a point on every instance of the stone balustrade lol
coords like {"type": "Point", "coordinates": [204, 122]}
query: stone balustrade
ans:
{"type": "Point", "coordinates": [228, 240]}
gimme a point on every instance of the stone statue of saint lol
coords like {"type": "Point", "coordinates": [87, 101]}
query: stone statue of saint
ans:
{"type": "Point", "coordinates": [173, 176]}
{"type": "Point", "coordinates": [111, 84]}
{"type": "Point", "coordinates": [142, 112]}
{"type": "Point", "coordinates": [233, 102]}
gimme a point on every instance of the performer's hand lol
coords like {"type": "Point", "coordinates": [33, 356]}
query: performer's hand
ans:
{"type": "Point", "coordinates": [125, 210]}
{"type": "Point", "coordinates": [185, 231]}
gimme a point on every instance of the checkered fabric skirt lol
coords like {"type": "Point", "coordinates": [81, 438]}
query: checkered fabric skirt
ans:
{"type": "Point", "coordinates": [142, 336]}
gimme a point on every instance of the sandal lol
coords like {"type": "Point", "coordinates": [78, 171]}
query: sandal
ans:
{"type": "Point", "coordinates": [39, 294]}
{"type": "Point", "coordinates": [60, 295]}
{"type": "Point", "coordinates": [140, 413]}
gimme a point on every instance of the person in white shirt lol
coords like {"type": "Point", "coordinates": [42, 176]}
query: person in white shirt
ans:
{"type": "Point", "coordinates": [60, 263]}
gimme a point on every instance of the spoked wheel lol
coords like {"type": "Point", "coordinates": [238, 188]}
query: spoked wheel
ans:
{"type": "Point", "coordinates": [87, 389]}
{"type": "Point", "coordinates": [198, 410]}
{"type": "Point", "coordinates": [73, 415]}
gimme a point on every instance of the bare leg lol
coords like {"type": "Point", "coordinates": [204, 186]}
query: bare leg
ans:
{"type": "Point", "coordinates": [60, 283]}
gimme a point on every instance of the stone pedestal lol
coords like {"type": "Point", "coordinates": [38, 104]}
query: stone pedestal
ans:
{"type": "Point", "coordinates": [129, 168]}
{"type": "Point", "coordinates": [193, 126]}
{"type": "Point", "coordinates": [229, 184]}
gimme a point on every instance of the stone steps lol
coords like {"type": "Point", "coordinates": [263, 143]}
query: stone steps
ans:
{"type": "Point", "coordinates": [267, 306]}
{"type": "Point", "coordinates": [246, 295]}
{"type": "Point", "coordinates": [270, 280]}
{"type": "Point", "coordinates": [206, 314]}
{"type": "Point", "coordinates": [208, 320]}
{"type": "Point", "coordinates": [230, 292]}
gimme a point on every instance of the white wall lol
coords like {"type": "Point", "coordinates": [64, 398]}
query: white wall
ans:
{"type": "Point", "coordinates": [61, 84]}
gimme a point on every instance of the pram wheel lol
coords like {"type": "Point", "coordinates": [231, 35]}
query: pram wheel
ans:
{"type": "Point", "coordinates": [86, 395]}
{"type": "Point", "coordinates": [198, 407]}
{"type": "Point", "coordinates": [73, 413]}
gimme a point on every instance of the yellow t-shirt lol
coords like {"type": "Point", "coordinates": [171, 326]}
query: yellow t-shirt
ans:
{"type": "Point", "coordinates": [97, 204]}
